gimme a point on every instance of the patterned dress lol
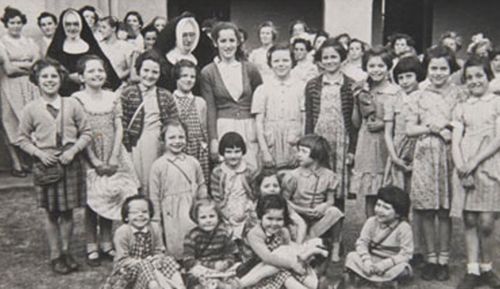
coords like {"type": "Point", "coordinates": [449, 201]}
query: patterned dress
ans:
{"type": "Point", "coordinates": [432, 165]}
{"type": "Point", "coordinates": [331, 126]}
{"type": "Point", "coordinates": [479, 117]}
{"type": "Point", "coordinates": [193, 114]}
{"type": "Point", "coordinates": [139, 259]}
{"type": "Point", "coordinates": [16, 92]}
{"type": "Point", "coordinates": [106, 194]}
{"type": "Point", "coordinates": [282, 106]}
{"type": "Point", "coordinates": [371, 150]}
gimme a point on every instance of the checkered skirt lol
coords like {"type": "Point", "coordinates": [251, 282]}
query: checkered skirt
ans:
{"type": "Point", "coordinates": [68, 193]}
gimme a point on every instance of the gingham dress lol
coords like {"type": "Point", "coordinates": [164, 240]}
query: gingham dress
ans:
{"type": "Point", "coordinates": [138, 275]}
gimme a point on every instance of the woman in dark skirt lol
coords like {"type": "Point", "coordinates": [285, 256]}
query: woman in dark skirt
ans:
{"type": "Point", "coordinates": [54, 130]}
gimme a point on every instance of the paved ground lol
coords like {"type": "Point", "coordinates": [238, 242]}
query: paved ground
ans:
{"type": "Point", "coordinates": [24, 252]}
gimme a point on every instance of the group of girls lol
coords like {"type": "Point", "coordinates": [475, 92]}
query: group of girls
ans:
{"type": "Point", "coordinates": [189, 175]}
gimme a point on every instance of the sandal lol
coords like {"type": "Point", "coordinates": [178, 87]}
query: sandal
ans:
{"type": "Point", "coordinates": [93, 259]}
{"type": "Point", "coordinates": [18, 173]}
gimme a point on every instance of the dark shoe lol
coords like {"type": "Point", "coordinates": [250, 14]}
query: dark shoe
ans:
{"type": "Point", "coordinates": [108, 255]}
{"type": "Point", "coordinates": [18, 173]}
{"type": "Point", "coordinates": [470, 281]}
{"type": "Point", "coordinates": [429, 271]}
{"type": "Point", "coordinates": [491, 279]}
{"type": "Point", "coordinates": [59, 266]}
{"type": "Point", "coordinates": [70, 262]}
{"type": "Point", "coordinates": [417, 260]}
{"type": "Point", "coordinates": [443, 272]}
{"type": "Point", "coordinates": [93, 259]}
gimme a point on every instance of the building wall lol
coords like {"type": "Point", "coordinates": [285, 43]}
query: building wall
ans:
{"type": "Point", "coordinates": [351, 16]}
{"type": "Point", "coordinates": [467, 18]}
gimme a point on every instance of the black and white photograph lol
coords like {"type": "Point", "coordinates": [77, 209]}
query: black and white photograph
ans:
{"type": "Point", "coordinates": [249, 144]}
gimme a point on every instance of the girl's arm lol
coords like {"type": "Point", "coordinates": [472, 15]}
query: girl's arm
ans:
{"type": "Point", "coordinates": [202, 192]}
{"type": "Point", "coordinates": [405, 238]}
{"type": "Point", "coordinates": [83, 129]}
{"type": "Point", "coordinates": [11, 69]}
{"type": "Point", "coordinates": [389, 141]}
{"type": "Point", "coordinates": [256, 240]}
{"type": "Point", "coordinates": [155, 177]}
{"type": "Point", "coordinates": [266, 155]}
{"type": "Point", "coordinates": [121, 243]}
{"type": "Point", "coordinates": [113, 159]}
{"type": "Point", "coordinates": [364, 240]}
{"type": "Point", "coordinates": [208, 95]}
{"type": "Point", "coordinates": [456, 140]}
{"type": "Point", "coordinates": [300, 225]}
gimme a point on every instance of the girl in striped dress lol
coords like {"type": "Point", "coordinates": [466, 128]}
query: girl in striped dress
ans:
{"type": "Point", "coordinates": [192, 113]}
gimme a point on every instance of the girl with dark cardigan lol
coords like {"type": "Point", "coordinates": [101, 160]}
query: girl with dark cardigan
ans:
{"type": "Point", "coordinates": [330, 112]}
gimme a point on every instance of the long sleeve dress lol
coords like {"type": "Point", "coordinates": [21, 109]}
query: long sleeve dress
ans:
{"type": "Point", "coordinates": [175, 181]}
{"type": "Point", "coordinates": [390, 244]}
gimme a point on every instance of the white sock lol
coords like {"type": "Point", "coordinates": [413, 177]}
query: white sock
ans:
{"type": "Point", "coordinates": [485, 267]}
{"type": "Point", "coordinates": [473, 268]}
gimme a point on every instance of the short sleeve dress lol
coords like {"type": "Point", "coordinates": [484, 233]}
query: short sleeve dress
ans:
{"type": "Point", "coordinates": [479, 117]}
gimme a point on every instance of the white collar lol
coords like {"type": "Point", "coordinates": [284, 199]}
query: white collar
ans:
{"type": "Point", "coordinates": [175, 55]}
{"type": "Point", "coordinates": [135, 230]}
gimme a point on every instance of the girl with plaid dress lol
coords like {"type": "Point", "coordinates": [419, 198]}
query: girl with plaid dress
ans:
{"type": "Point", "coordinates": [140, 262]}
{"type": "Point", "coordinates": [55, 130]}
{"type": "Point", "coordinates": [192, 113]}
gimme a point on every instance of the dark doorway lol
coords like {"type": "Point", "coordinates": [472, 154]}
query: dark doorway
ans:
{"type": "Point", "coordinates": [202, 9]}
{"type": "Point", "coordinates": [412, 17]}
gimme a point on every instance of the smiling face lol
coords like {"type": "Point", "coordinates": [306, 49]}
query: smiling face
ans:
{"type": "Point", "coordinates": [49, 81]}
{"type": "Point", "coordinates": [273, 221]}
{"type": "Point", "coordinates": [207, 218]}
{"type": "Point", "coordinates": [15, 26]}
{"type": "Point", "coordinates": [330, 60]}
{"type": "Point", "coordinates": [227, 44]}
{"type": "Point", "coordinates": [233, 156]}
{"type": "Point", "coordinates": [384, 212]}
{"type": "Point", "coordinates": [150, 39]}
{"type": "Point", "coordinates": [269, 186]}
{"type": "Point", "coordinates": [476, 80]}
{"type": "Point", "coordinates": [48, 26]}
{"type": "Point", "coordinates": [187, 79]}
{"type": "Point", "coordinates": [438, 71]}
{"type": "Point", "coordinates": [266, 35]}
{"type": "Point", "coordinates": [377, 69]}
{"type": "Point", "coordinates": [281, 63]}
{"type": "Point", "coordinates": [72, 25]}
{"type": "Point", "coordinates": [149, 73]}
{"type": "Point", "coordinates": [299, 51]}
{"type": "Point", "coordinates": [138, 214]}
{"type": "Point", "coordinates": [175, 139]}
{"type": "Point", "coordinates": [94, 74]}
{"type": "Point", "coordinates": [408, 81]}
{"type": "Point", "coordinates": [134, 23]}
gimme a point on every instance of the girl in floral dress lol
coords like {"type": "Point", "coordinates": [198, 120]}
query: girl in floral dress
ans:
{"type": "Point", "coordinates": [111, 178]}
{"type": "Point", "coordinates": [429, 119]}
{"type": "Point", "coordinates": [331, 113]}
{"type": "Point", "coordinates": [371, 150]}
{"type": "Point", "coordinates": [278, 108]}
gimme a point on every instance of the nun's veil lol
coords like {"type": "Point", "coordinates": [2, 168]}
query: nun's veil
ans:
{"type": "Point", "coordinates": [55, 50]}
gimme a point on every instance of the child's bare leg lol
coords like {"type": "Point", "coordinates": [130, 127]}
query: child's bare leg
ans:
{"type": "Point", "coordinates": [292, 283]}
{"type": "Point", "coordinates": [370, 206]}
{"type": "Point", "coordinates": [66, 229]}
{"type": "Point", "coordinates": [487, 243]}
{"type": "Point", "coordinates": [471, 238]}
{"type": "Point", "coordinates": [53, 233]}
{"type": "Point", "coordinates": [105, 226]}
{"type": "Point", "coordinates": [444, 236]}
{"type": "Point", "coordinates": [259, 272]}
{"type": "Point", "coordinates": [336, 237]}
{"type": "Point", "coordinates": [319, 228]}
{"type": "Point", "coordinates": [417, 232]}
{"type": "Point", "coordinates": [311, 281]}
{"type": "Point", "coordinates": [91, 232]}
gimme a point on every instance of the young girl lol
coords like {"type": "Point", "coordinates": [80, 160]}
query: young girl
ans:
{"type": "Point", "coordinates": [331, 113]}
{"type": "Point", "coordinates": [267, 35]}
{"type": "Point", "coordinates": [311, 190]}
{"type": "Point", "coordinates": [192, 113]}
{"type": "Point", "coordinates": [428, 119]}
{"type": "Point", "coordinates": [146, 110]}
{"type": "Point", "coordinates": [276, 260]}
{"type": "Point", "coordinates": [353, 65]}
{"type": "Point", "coordinates": [55, 130]}
{"type": "Point", "coordinates": [111, 178]}
{"type": "Point", "coordinates": [278, 108]}
{"type": "Point", "coordinates": [230, 182]}
{"type": "Point", "coordinates": [209, 249]}
{"type": "Point", "coordinates": [176, 179]}
{"type": "Point", "coordinates": [385, 244]}
{"type": "Point", "coordinates": [140, 260]}
{"type": "Point", "coordinates": [475, 143]}
{"type": "Point", "coordinates": [371, 150]}
{"type": "Point", "coordinates": [304, 68]}
{"type": "Point", "coordinates": [407, 73]}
